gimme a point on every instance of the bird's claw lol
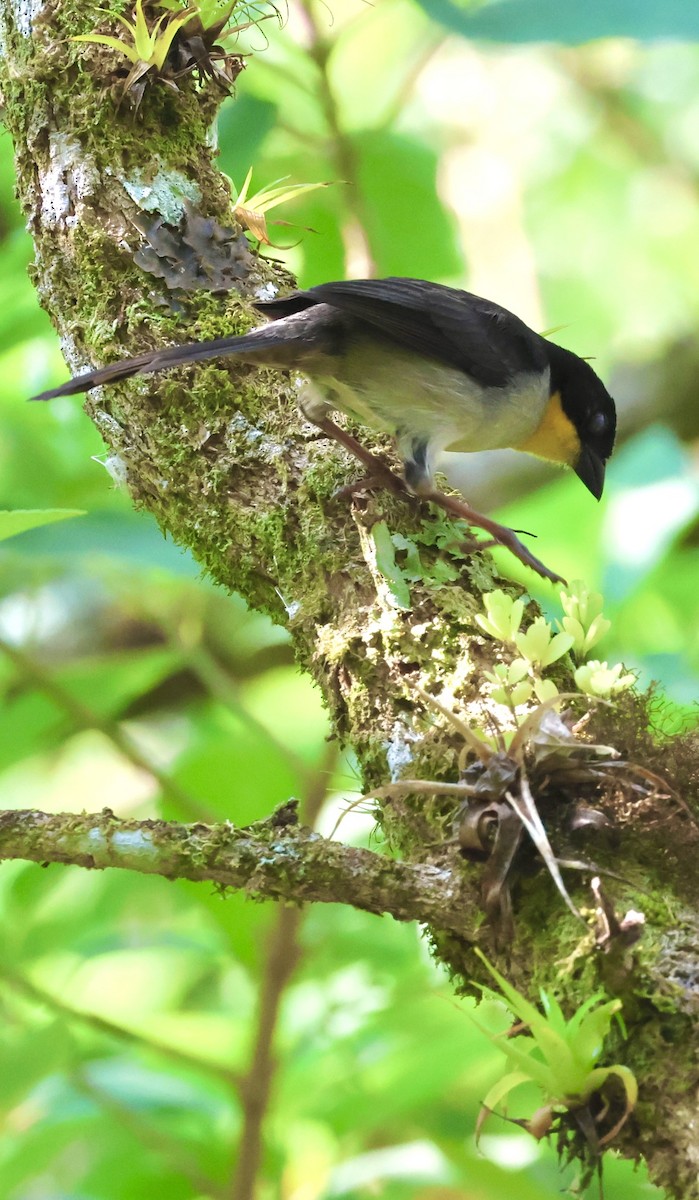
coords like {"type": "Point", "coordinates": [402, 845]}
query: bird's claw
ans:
{"type": "Point", "coordinates": [380, 474]}
{"type": "Point", "coordinates": [500, 535]}
{"type": "Point", "coordinates": [372, 483]}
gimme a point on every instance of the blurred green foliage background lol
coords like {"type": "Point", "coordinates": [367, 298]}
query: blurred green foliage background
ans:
{"type": "Point", "coordinates": [486, 149]}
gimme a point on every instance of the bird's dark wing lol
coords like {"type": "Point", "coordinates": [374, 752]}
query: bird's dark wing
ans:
{"type": "Point", "coordinates": [474, 335]}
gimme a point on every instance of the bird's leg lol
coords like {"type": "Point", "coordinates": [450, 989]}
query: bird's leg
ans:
{"type": "Point", "coordinates": [502, 535]}
{"type": "Point", "coordinates": [379, 472]}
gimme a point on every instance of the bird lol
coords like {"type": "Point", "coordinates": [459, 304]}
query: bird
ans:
{"type": "Point", "coordinates": [440, 369]}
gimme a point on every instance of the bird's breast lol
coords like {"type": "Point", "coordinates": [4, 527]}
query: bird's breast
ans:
{"type": "Point", "coordinates": [406, 394]}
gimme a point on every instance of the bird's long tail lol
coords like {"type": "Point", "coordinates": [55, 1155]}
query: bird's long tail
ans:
{"type": "Point", "coordinates": [285, 343]}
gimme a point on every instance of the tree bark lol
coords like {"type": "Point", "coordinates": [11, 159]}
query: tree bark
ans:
{"type": "Point", "coordinates": [271, 860]}
{"type": "Point", "coordinates": [221, 457]}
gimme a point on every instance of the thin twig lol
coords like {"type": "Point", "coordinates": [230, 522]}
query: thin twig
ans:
{"type": "Point", "coordinates": [168, 1148]}
{"type": "Point", "coordinates": [110, 1029]}
{"type": "Point", "coordinates": [405, 91]}
{"type": "Point", "coordinates": [342, 148]}
{"type": "Point", "coordinates": [83, 717]}
{"type": "Point", "coordinates": [283, 956]}
{"type": "Point", "coordinates": [219, 685]}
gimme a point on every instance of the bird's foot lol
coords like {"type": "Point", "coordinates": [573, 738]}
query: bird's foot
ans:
{"type": "Point", "coordinates": [373, 483]}
{"type": "Point", "coordinates": [379, 474]}
{"type": "Point", "coordinates": [500, 535]}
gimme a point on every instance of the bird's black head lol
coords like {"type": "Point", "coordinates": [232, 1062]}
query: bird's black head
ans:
{"type": "Point", "coordinates": [590, 409]}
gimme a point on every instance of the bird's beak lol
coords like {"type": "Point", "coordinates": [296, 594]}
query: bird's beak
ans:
{"type": "Point", "coordinates": [590, 468]}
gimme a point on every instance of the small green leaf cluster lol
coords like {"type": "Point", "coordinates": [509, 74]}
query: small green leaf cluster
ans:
{"type": "Point", "coordinates": [583, 618]}
{"type": "Point", "coordinates": [540, 645]}
{"type": "Point", "coordinates": [596, 678]}
{"type": "Point", "coordinates": [386, 565]}
{"type": "Point", "coordinates": [411, 566]}
{"type": "Point", "coordinates": [149, 44]}
{"type": "Point", "coordinates": [560, 1056]}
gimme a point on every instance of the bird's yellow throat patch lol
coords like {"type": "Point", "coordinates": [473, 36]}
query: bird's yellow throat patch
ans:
{"type": "Point", "coordinates": [555, 437]}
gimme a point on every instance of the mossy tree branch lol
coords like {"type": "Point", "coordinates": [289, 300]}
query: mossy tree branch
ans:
{"type": "Point", "coordinates": [219, 455]}
{"type": "Point", "coordinates": [271, 860]}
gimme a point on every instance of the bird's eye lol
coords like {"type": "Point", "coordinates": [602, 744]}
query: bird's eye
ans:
{"type": "Point", "coordinates": [597, 422]}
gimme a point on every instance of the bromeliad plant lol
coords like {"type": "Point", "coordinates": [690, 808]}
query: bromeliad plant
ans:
{"type": "Point", "coordinates": [498, 794]}
{"type": "Point", "coordinates": [146, 46]}
{"type": "Point", "coordinates": [149, 44]}
{"type": "Point", "coordinates": [534, 759]}
{"type": "Point", "coordinates": [561, 1057]}
{"type": "Point", "coordinates": [251, 210]}
{"type": "Point", "coordinates": [181, 40]}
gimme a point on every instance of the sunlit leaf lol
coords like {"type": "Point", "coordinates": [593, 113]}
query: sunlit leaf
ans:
{"type": "Point", "coordinates": [14, 521]}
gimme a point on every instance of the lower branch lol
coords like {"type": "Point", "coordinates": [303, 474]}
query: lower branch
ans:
{"type": "Point", "coordinates": [274, 859]}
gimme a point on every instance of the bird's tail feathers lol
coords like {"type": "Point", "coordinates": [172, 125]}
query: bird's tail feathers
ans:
{"type": "Point", "coordinates": [275, 344]}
